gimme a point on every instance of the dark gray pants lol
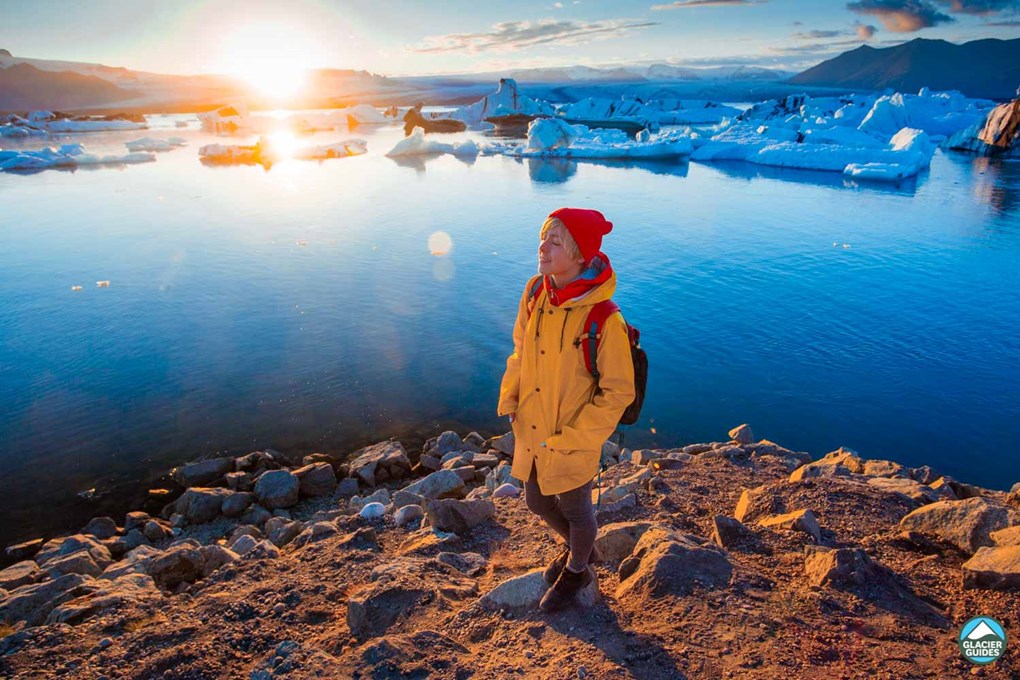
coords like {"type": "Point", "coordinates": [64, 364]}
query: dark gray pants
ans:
{"type": "Point", "coordinates": [570, 514]}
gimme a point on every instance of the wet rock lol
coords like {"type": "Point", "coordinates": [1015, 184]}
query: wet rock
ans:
{"type": "Point", "coordinates": [214, 557]}
{"type": "Point", "coordinates": [135, 520]}
{"type": "Point", "coordinates": [439, 484]}
{"type": "Point", "coordinates": [315, 533]}
{"type": "Point", "coordinates": [470, 563]}
{"type": "Point", "coordinates": [316, 479]}
{"type": "Point", "coordinates": [616, 541]}
{"type": "Point", "coordinates": [76, 563]}
{"type": "Point", "coordinates": [742, 434]}
{"type": "Point", "coordinates": [525, 591]}
{"type": "Point", "coordinates": [458, 516]}
{"type": "Point", "coordinates": [100, 527]}
{"type": "Point", "coordinates": [818, 469]}
{"type": "Point", "coordinates": [134, 590]}
{"type": "Point", "coordinates": [20, 574]}
{"type": "Point", "coordinates": [236, 503]}
{"type": "Point", "coordinates": [200, 505]}
{"type": "Point", "coordinates": [203, 472]}
{"type": "Point", "coordinates": [798, 520]}
{"type": "Point", "coordinates": [389, 456]}
{"type": "Point", "coordinates": [966, 524]}
{"type": "Point", "coordinates": [728, 532]}
{"type": "Point", "coordinates": [996, 568]}
{"type": "Point", "coordinates": [758, 502]}
{"type": "Point", "coordinates": [59, 547]}
{"type": "Point", "coordinates": [32, 603]}
{"type": "Point", "coordinates": [408, 514]}
{"type": "Point", "coordinates": [675, 564]}
{"type": "Point", "coordinates": [281, 531]}
{"type": "Point", "coordinates": [277, 489]}
{"type": "Point", "coordinates": [22, 551]}
{"type": "Point", "coordinates": [839, 567]}
{"type": "Point", "coordinates": [506, 491]}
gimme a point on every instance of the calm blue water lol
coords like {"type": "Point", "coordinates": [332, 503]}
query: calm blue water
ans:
{"type": "Point", "coordinates": [300, 308]}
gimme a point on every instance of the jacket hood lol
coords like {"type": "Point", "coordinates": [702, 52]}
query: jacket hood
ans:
{"type": "Point", "coordinates": [595, 284]}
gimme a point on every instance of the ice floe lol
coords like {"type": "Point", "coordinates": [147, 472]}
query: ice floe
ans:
{"type": "Point", "coordinates": [650, 114]}
{"type": "Point", "coordinates": [65, 156]}
{"type": "Point", "coordinates": [555, 138]}
{"type": "Point", "coordinates": [504, 102]}
{"type": "Point", "coordinates": [153, 144]}
{"type": "Point", "coordinates": [264, 152]}
{"type": "Point", "coordinates": [417, 144]}
{"type": "Point", "coordinates": [38, 123]}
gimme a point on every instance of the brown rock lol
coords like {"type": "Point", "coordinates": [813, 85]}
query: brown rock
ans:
{"type": "Point", "coordinates": [965, 524]}
{"type": "Point", "coordinates": [818, 469]}
{"type": "Point", "coordinates": [22, 551]}
{"type": "Point", "coordinates": [798, 520]}
{"type": "Point", "coordinates": [742, 434]}
{"type": "Point", "coordinates": [758, 502]}
{"type": "Point", "coordinates": [458, 516]}
{"type": "Point", "coordinates": [838, 566]}
{"type": "Point", "coordinates": [674, 564]}
{"type": "Point", "coordinates": [1007, 536]}
{"type": "Point", "coordinates": [616, 541]}
{"type": "Point", "coordinates": [728, 532]}
{"type": "Point", "coordinates": [21, 574]}
{"type": "Point", "coordinates": [316, 479]}
{"type": "Point", "coordinates": [993, 568]}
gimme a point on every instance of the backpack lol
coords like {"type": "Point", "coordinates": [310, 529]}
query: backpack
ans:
{"type": "Point", "coordinates": [590, 345]}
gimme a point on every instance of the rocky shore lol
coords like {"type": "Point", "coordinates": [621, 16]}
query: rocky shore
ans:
{"type": "Point", "coordinates": [737, 558]}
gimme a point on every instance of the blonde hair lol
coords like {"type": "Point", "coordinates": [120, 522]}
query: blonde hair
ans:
{"type": "Point", "coordinates": [568, 240]}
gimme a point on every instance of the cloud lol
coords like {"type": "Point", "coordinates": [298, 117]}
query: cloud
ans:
{"type": "Point", "coordinates": [902, 16]}
{"type": "Point", "coordinates": [981, 6]}
{"type": "Point", "coordinates": [817, 35]}
{"type": "Point", "coordinates": [865, 31]}
{"type": "Point", "coordinates": [515, 35]}
{"type": "Point", "coordinates": [686, 4]}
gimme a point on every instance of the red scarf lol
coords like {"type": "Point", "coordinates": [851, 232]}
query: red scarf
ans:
{"type": "Point", "coordinates": [590, 278]}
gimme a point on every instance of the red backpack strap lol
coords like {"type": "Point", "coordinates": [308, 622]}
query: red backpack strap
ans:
{"type": "Point", "coordinates": [534, 288]}
{"type": "Point", "coordinates": [593, 334]}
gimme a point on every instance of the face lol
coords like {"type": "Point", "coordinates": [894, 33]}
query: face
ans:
{"type": "Point", "coordinates": [553, 258]}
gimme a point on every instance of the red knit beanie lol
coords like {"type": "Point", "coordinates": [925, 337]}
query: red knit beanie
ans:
{"type": "Point", "coordinates": [587, 227]}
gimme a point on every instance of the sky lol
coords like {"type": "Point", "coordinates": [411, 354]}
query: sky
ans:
{"type": "Point", "coordinates": [407, 37]}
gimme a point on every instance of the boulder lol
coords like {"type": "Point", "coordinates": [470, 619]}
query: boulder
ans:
{"type": "Point", "coordinates": [263, 550]}
{"type": "Point", "coordinates": [908, 487]}
{"type": "Point", "coordinates": [255, 461]}
{"type": "Point", "coordinates": [485, 460]}
{"type": "Point", "coordinates": [131, 590]}
{"type": "Point", "coordinates": [1007, 536]}
{"type": "Point", "coordinates": [885, 468]}
{"type": "Point", "coordinates": [525, 592]}
{"type": "Point", "coordinates": [458, 516]}
{"type": "Point", "coordinates": [995, 568]}
{"type": "Point", "coordinates": [135, 520]}
{"type": "Point", "coordinates": [357, 503]}
{"type": "Point", "coordinates": [848, 458]}
{"type": "Point", "coordinates": [215, 556]}
{"type": "Point", "coordinates": [470, 563]}
{"type": "Point", "coordinates": [695, 449]}
{"type": "Point", "coordinates": [758, 502]}
{"type": "Point", "coordinates": [316, 479]}
{"type": "Point", "coordinates": [238, 481]}
{"type": "Point", "coordinates": [363, 539]}
{"type": "Point", "coordinates": [504, 444]}
{"type": "Point", "coordinates": [672, 564]}
{"type": "Point", "coordinates": [944, 489]}
{"type": "Point", "coordinates": [439, 484]}
{"type": "Point", "coordinates": [923, 474]}
{"type": "Point", "coordinates": [373, 511]}
{"type": "Point", "coordinates": [798, 520]}
{"type": "Point", "coordinates": [389, 456]}
{"type": "Point", "coordinates": [134, 539]}
{"type": "Point", "coordinates": [818, 469]}
{"type": "Point", "coordinates": [281, 531]}
{"type": "Point", "coordinates": [428, 462]}
{"type": "Point", "coordinates": [839, 567]}
{"type": "Point", "coordinates": [76, 563]}
{"type": "Point", "coordinates": [203, 472]}
{"type": "Point", "coordinates": [966, 524]}
{"type": "Point", "coordinates": [243, 544]}
{"type": "Point", "coordinates": [644, 456]}
{"type": "Point", "coordinates": [616, 541]}
{"type": "Point", "coordinates": [314, 533]}
{"type": "Point", "coordinates": [256, 515]}
{"type": "Point", "coordinates": [32, 603]}
{"type": "Point", "coordinates": [21, 574]}
{"type": "Point", "coordinates": [728, 532]}
{"type": "Point", "coordinates": [402, 498]}
{"type": "Point", "coordinates": [200, 505]}
{"type": "Point", "coordinates": [22, 551]}
{"type": "Point", "coordinates": [277, 489]}
{"type": "Point", "coordinates": [59, 547]}
{"type": "Point", "coordinates": [742, 434]}
{"type": "Point", "coordinates": [178, 564]}
{"type": "Point", "coordinates": [372, 610]}
{"type": "Point", "coordinates": [408, 514]}
{"type": "Point", "coordinates": [446, 442]}
{"type": "Point", "coordinates": [346, 488]}
{"type": "Point", "coordinates": [327, 458]}
{"type": "Point", "coordinates": [156, 532]}
{"type": "Point", "coordinates": [628, 501]}
{"type": "Point", "coordinates": [236, 503]}
{"type": "Point", "coordinates": [100, 527]}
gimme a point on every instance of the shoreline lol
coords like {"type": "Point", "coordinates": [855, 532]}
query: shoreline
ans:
{"type": "Point", "coordinates": [435, 557]}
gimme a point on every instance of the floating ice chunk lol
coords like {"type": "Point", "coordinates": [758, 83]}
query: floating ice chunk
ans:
{"type": "Point", "coordinates": [92, 125]}
{"type": "Point", "coordinates": [552, 133]}
{"type": "Point", "coordinates": [505, 101]}
{"type": "Point", "coordinates": [153, 144]}
{"type": "Point", "coordinates": [103, 284]}
{"type": "Point", "coordinates": [554, 138]}
{"type": "Point", "coordinates": [224, 120]}
{"type": "Point", "coordinates": [846, 136]}
{"type": "Point", "coordinates": [67, 155]}
{"type": "Point", "coordinates": [350, 147]}
{"type": "Point", "coordinates": [417, 144]}
{"type": "Point", "coordinates": [886, 172]}
{"type": "Point", "coordinates": [362, 114]}
{"type": "Point", "coordinates": [75, 288]}
{"type": "Point", "coordinates": [263, 152]}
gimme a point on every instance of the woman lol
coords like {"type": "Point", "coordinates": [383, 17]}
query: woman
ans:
{"type": "Point", "coordinates": [560, 420]}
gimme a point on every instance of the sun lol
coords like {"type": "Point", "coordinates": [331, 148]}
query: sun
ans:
{"type": "Point", "coordinates": [274, 59]}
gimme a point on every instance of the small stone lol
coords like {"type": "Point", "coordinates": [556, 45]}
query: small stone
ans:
{"type": "Point", "coordinates": [799, 520]}
{"type": "Point", "coordinates": [742, 434]}
{"type": "Point", "coordinates": [203, 472]}
{"type": "Point", "coordinates": [135, 520]}
{"type": "Point", "coordinates": [506, 491]}
{"type": "Point", "coordinates": [373, 511]}
{"type": "Point", "coordinates": [408, 514]}
{"type": "Point", "coordinates": [100, 527]}
{"type": "Point", "coordinates": [458, 516]}
{"type": "Point", "coordinates": [346, 488]}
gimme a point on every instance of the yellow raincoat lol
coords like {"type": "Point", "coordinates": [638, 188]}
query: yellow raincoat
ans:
{"type": "Point", "coordinates": [549, 388]}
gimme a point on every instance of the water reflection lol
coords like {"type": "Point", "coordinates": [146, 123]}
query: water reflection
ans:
{"type": "Point", "coordinates": [750, 171]}
{"type": "Point", "coordinates": [559, 170]}
{"type": "Point", "coordinates": [994, 184]}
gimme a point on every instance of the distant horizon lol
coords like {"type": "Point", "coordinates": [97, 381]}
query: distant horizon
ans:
{"type": "Point", "coordinates": [406, 39]}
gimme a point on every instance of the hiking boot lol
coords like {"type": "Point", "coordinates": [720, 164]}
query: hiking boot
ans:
{"type": "Point", "coordinates": [563, 591]}
{"type": "Point", "coordinates": [552, 572]}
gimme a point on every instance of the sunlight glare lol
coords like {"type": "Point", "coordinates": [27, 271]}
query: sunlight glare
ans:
{"type": "Point", "coordinates": [440, 243]}
{"type": "Point", "coordinates": [274, 59]}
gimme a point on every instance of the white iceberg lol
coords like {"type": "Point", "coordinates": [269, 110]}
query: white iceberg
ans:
{"type": "Point", "coordinates": [652, 113]}
{"type": "Point", "coordinates": [362, 114]}
{"type": "Point", "coordinates": [153, 144]}
{"type": "Point", "coordinates": [225, 120]}
{"type": "Point", "coordinates": [505, 101]}
{"type": "Point", "coordinates": [264, 152]}
{"type": "Point", "coordinates": [555, 138]}
{"type": "Point", "coordinates": [417, 144]}
{"type": "Point", "coordinates": [65, 156]}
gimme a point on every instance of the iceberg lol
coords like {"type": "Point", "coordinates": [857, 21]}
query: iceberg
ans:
{"type": "Point", "coordinates": [362, 114]}
{"type": "Point", "coordinates": [153, 144]}
{"type": "Point", "coordinates": [555, 138]}
{"type": "Point", "coordinates": [65, 156]}
{"type": "Point", "coordinates": [265, 153]}
{"type": "Point", "coordinates": [653, 113]}
{"type": "Point", "coordinates": [224, 120]}
{"type": "Point", "coordinates": [417, 144]}
{"type": "Point", "coordinates": [44, 122]}
{"type": "Point", "coordinates": [504, 102]}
